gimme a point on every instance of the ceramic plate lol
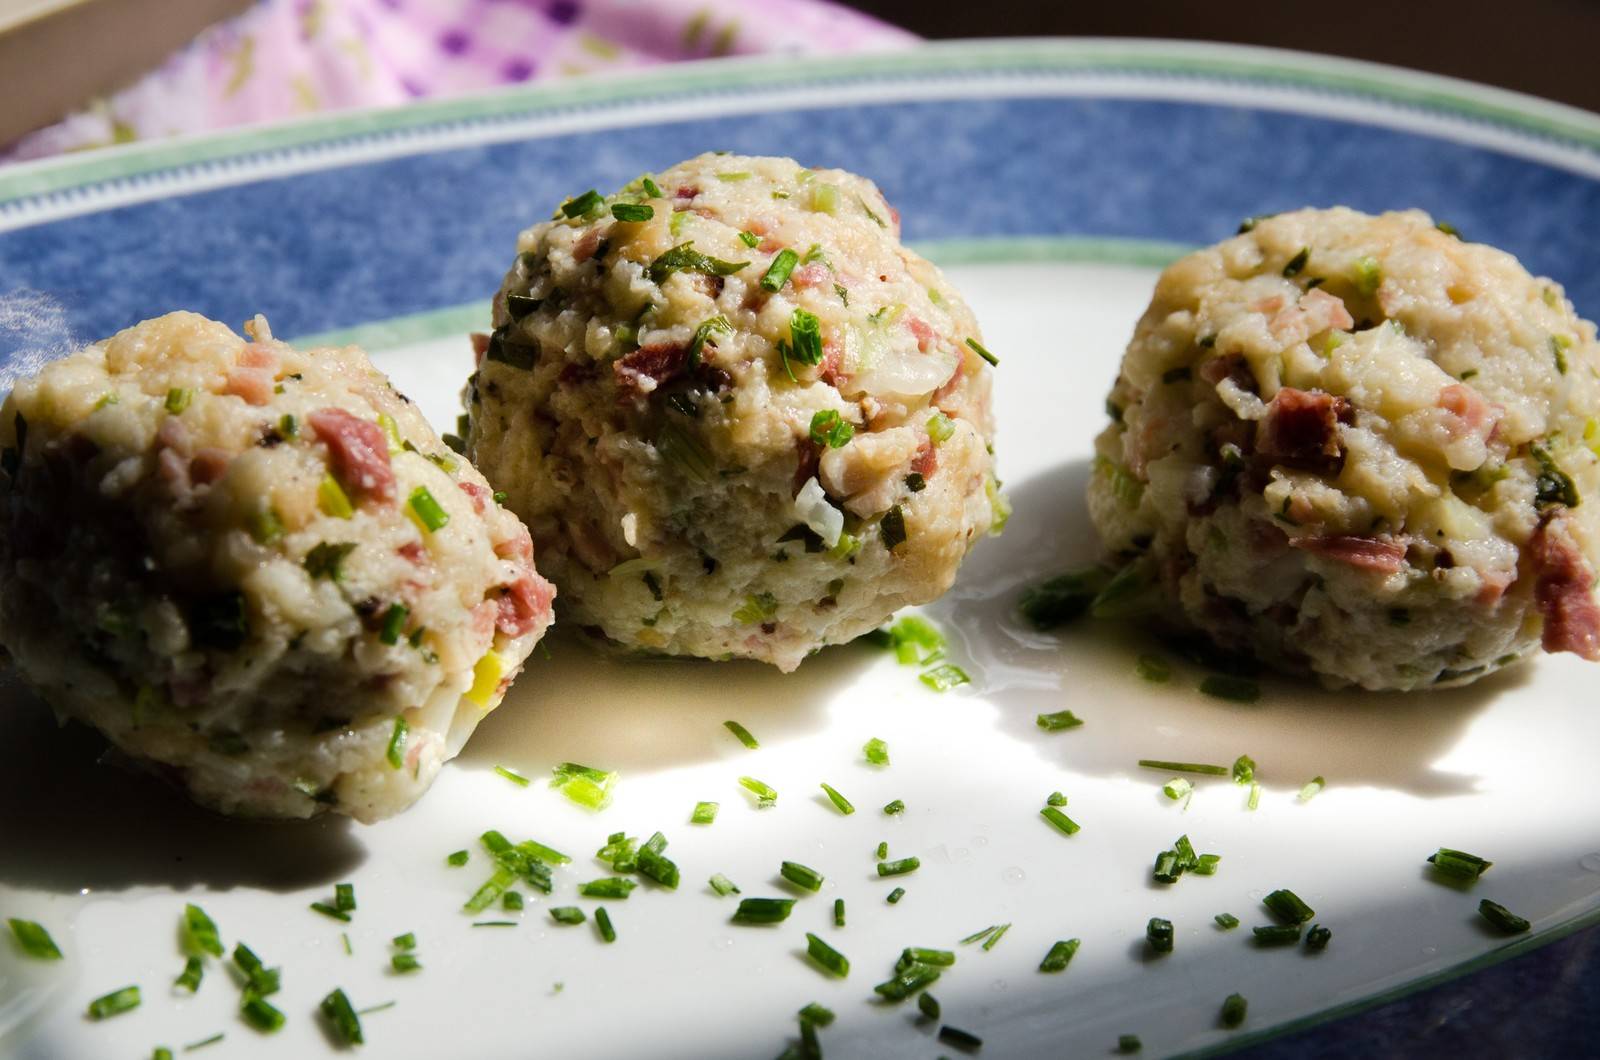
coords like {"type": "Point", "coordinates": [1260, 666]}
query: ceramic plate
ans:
{"type": "Point", "coordinates": [1052, 180]}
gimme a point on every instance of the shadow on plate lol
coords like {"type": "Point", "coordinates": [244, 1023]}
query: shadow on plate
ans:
{"type": "Point", "coordinates": [72, 817]}
{"type": "Point", "coordinates": [639, 714]}
{"type": "Point", "coordinates": [1296, 730]}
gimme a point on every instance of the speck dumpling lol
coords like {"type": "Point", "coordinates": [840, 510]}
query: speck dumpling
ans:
{"type": "Point", "coordinates": [1363, 448]}
{"type": "Point", "coordinates": [740, 418]}
{"type": "Point", "coordinates": [257, 568]}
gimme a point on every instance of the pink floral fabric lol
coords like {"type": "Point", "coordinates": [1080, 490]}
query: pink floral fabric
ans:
{"type": "Point", "coordinates": [284, 58]}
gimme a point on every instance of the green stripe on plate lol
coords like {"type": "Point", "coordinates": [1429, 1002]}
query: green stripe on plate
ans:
{"type": "Point", "coordinates": [1267, 67]}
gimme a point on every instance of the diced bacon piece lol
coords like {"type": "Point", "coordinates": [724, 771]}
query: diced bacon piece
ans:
{"type": "Point", "coordinates": [359, 451]}
{"type": "Point", "coordinates": [252, 384]}
{"type": "Point", "coordinates": [586, 245]}
{"type": "Point", "coordinates": [926, 462]}
{"type": "Point", "coordinates": [480, 346]}
{"type": "Point", "coordinates": [1270, 304]}
{"type": "Point", "coordinates": [524, 604]}
{"type": "Point", "coordinates": [921, 329]}
{"type": "Point", "coordinates": [648, 367]}
{"type": "Point", "coordinates": [253, 356]}
{"type": "Point", "coordinates": [1386, 555]}
{"type": "Point", "coordinates": [814, 275]}
{"type": "Point", "coordinates": [688, 191]}
{"type": "Point", "coordinates": [1564, 592]}
{"type": "Point", "coordinates": [832, 367]}
{"type": "Point", "coordinates": [1476, 415]}
{"type": "Point", "coordinates": [1317, 311]}
{"type": "Point", "coordinates": [209, 464]}
{"type": "Point", "coordinates": [1301, 427]}
{"type": "Point", "coordinates": [517, 547]}
{"type": "Point", "coordinates": [412, 552]}
{"type": "Point", "coordinates": [476, 492]}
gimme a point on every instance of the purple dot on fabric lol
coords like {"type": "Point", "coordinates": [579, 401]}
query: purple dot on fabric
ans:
{"type": "Point", "coordinates": [412, 87]}
{"type": "Point", "coordinates": [392, 5]}
{"type": "Point", "coordinates": [454, 42]}
{"type": "Point", "coordinates": [517, 70]}
{"type": "Point", "coordinates": [563, 12]}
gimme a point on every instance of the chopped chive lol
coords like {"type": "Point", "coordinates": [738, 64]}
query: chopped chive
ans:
{"type": "Point", "coordinates": [1502, 918]}
{"type": "Point", "coordinates": [1236, 689]}
{"type": "Point", "coordinates": [883, 851]}
{"type": "Point", "coordinates": [656, 866]}
{"type": "Point", "coordinates": [1061, 953]}
{"type": "Point", "coordinates": [332, 499]}
{"type": "Point", "coordinates": [457, 859]}
{"type": "Point", "coordinates": [1255, 795]}
{"type": "Point", "coordinates": [341, 1015]}
{"type": "Point", "coordinates": [944, 677]}
{"type": "Point", "coordinates": [892, 808]}
{"type": "Point", "coordinates": [704, 812]}
{"type": "Point", "coordinates": [632, 212]}
{"type": "Point", "coordinates": [723, 886]}
{"type": "Point", "coordinates": [1177, 788]}
{"type": "Point", "coordinates": [1056, 799]}
{"type": "Point", "coordinates": [1459, 863]}
{"type": "Point", "coordinates": [199, 932]}
{"type": "Point", "coordinates": [1244, 769]}
{"type": "Point", "coordinates": [408, 941]}
{"type": "Point", "coordinates": [602, 922]}
{"type": "Point", "coordinates": [801, 875]}
{"type": "Point", "coordinates": [585, 785]}
{"type": "Point", "coordinates": [326, 559]}
{"type": "Point", "coordinates": [895, 895]}
{"type": "Point", "coordinates": [331, 911]}
{"type": "Point", "coordinates": [742, 733]}
{"type": "Point", "coordinates": [34, 940]}
{"type": "Point", "coordinates": [405, 963]}
{"type": "Point", "coordinates": [344, 896]}
{"type": "Point", "coordinates": [567, 914]}
{"type": "Point", "coordinates": [1159, 934]}
{"type": "Point", "coordinates": [1311, 789]}
{"type": "Point", "coordinates": [1129, 1043]}
{"type": "Point", "coordinates": [1226, 921]}
{"type": "Point", "coordinates": [587, 203]}
{"type": "Point", "coordinates": [1207, 864]}
{"type": "Point", "coordinates": [750, 239]}
{"type": "Point", "coordinates": [899, 867]}
{"type": "Point", "coordinates": [194, 970]}
{"type": "Point", "coordinates": [427, 510]}
{"type": "Point", "coordinates": [907, 982]}
{"type": "Point", "coordinates": [114, 1003]}
{"type": "Point", "coordinates": [1287, 906]}
{"type": "Point", "coordinates": [1297, 263]}
{"type": "Point", "coordinates": [827, 956]}
{"type": "Point", "coordinates": [1184, 767]}
{"type": "Point", "coordinates": [1061, 719]}
{"type": "Point", "coordinates": [999, 933]}
{"type": "Point", "coordinates": [261, 1015]}
{"type": "Point", "coordinates": [397, 743]}
{"type": "Point", "coordinates": [684, 258]}
{"type": "Point", "coordinates": [982, 351]}
{"type": "Point", "coordinates": [1061, 821]}
{"type": "Point", "coordinates": [1277, 934]}
{"type": "Point", "coordinates": [831, 430]}
{"type": "Point", "coordinates": [928, 1005]}
{"type": "Point", "coordinates": [976, 935]}
{"type": "Point", "coordinates": [650, 187]}
{"type": "Point", "coordinates": [263, 980]}
{"type": "Point", "coordinates": [1234, 1007]}
{"type": "Point", "coordinates": [839, 801]}
{"type": "Point", "coordinates": [618, 887]}
{"type": "Point", "coordinates": [838, 912]}
{"type": "Point", "coordinates": [161, 1053]}
{"type": "Point", "coordinates": [960, 1039]}
{"type": "Point", "coordinates": [762, 910]}
{"type": "Point", "coordinates": [394, 623]}
{"type": "Point", "coordinates": [1318, 937]}
{"type": "Point", "coordinates": [817, 1015]}
{"type": "Point", "coordinates": [203, 1042]}
{"type": "Point", "coordinates": [1153, 668]}
{"type": "Point", "coordinates": [765, 794]}
{"type": "Point", "coordinates": [877, 752]}
{"type": "Point", "coordinates": [1167, 869]}
{"type": "Point", "coordinates": [345, 938]}
{"type": "Point", "coordinates": [494, 923]}
{"type": "Point", "coordinates": [777, 273]}
{"type": "Point", "coordinates": [940, 428]}
{"type": "Point", "coordinates": [512, 775]}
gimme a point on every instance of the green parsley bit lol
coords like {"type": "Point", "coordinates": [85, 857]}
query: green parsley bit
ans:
{"type": "Point", "coordinates": [838, 912]}
{"type": "Point", "coordinates": [827, 956]}
{"type": "Point", "coordinates": [1129, 1043]}
{"type": "Point", "coordinates": [963, 1040]}
{"type": "Point", "coordinates": [1061, 719]}
{"type": "Point", "coordinates": [260, 1014]}
{"type": "Point", "coordinates": [900, 867]}
{"type": "Point", "coordinates": [944, 677]}
{"type": "Point", "coordinates": [1226, 921]}
{"type": "Point", "coordinates": [457, 859]}
{"type": "Point", "coordinates": [704, 812]}
{"type": "Point", "coordinates": [602, 922]}
{"type": "Point", "coordinates": [1184, 767]}
{"type": "Point", "coordinates": [1159, 934]}
{"type": "Point", "coordinates": [877, 752]}
{"type": "Point", "coordinates": [1061, 821]}
{"type": "Point", "coordinates": [199, 933]}
{"type": "Point", "coordinates": [617, 887]}
{"type": "Point", "coordinates": [742, 733]}
{"type": "Point", "coordinates": [114, 1003]}
{"type": "Point", "coordinates": [702, 335]}
{"type": "Point", "coordinates": [1153, 668]}
{"type": "Point", "coordinates": [632, 212]}
{"type": "Point", "coordinates": [397, 743]}
{"type": "Point", "coordinates": [1276, 934]}
{"type": "Point", "coordinates": [777, 273]}
{"type": "Point", "coordinates": [1058, 957]}
{"type": "Point", "coordinates": [1177, 788]}
{"type": "Point", "coordinates": [1312, 788]}
{"type": "Point", "coordinates": [829, 429]}
{"type": "Point", "coordinates": [341, 1016]}
{"type": "Point", "coordinates": [928, 1005]}
{"type": "Point", "coordinates": [1235, 689]}
{"type": "Point", "coordinates": [723, 886]}
{"type": "Point", "coordinates": [1318, 937]}
{"type": "Point", "coordinates": [405, 963]}
{"type": "Point", "coordinates": [1459, 864]}
{"type": "Point", "coordinates": [907, 982]}
{"type": "Point", "coordinates": [1502, 918]}
{"type": "Point", "coordinates": [567, 914]}
{"type": "Point", "coordinates": [194, 970]}
{"type": "Point", "coordinates": [1234, 1007]}
{"type": "Point", "coordinates": [840, 803]}
{"type": "Point", "coordinates": [802, 876]}
{"type": "Point", "coordinates": [765, 794]}
{"type": "Point", "coordinates": [34, 940]}
{"type": "Point", "coordinates": [892, 808]}
{"type": "Point", "coordinates": [762, 910]}
{"type": "Point", "coordinates": [895, 895]}
{"type": "Point", "coordinates": [1287, 906]}
{"type": "Point", "coordinates": [426, 510]}
{"type": "Point", "coordinates": [982, 351]}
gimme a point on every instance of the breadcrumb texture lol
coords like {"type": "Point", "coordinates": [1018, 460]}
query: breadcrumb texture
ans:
{"type": "Point", "coordinates": [213, 550]}
{"type": "Point", "coordinates": [1363, 448]}
{"type": "Point", "coordinates": [648, 408]}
